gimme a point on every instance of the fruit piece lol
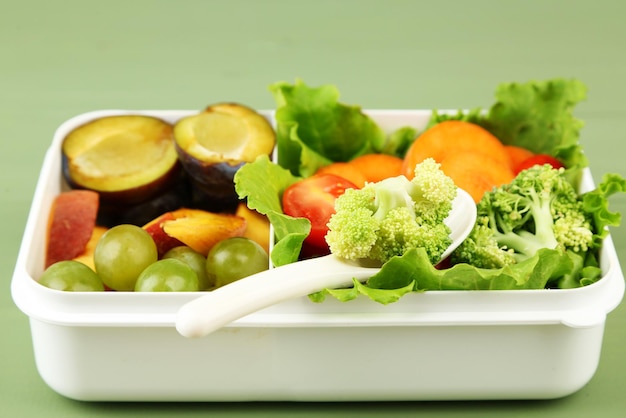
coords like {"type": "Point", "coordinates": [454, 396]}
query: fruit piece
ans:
{"type": "Point", "coordinates": [163, 242]}
{"type": "Point", "coordinates": [213, 144]}
{"type": "Point", "coordinates": [257, 226]}
{"type": "Point", "coordinates": [475, 172]}
{"type": "Point", "coordinates": [452, 136]}
{"type": "Point", "coordinates": [122, 253]}
{"type": "Point", "coordinates": [517, 155]}
{"type": "Point", "coordinates": [538, 159]}
{"type": "Point", "coordinates": [87, 256]}
{"type": "Point", "coordinates": [127, 158]}
{"type": "Point", "coordinates": [201, 230]}
{"type": "Point", "coordinates": [193, 259]}
{"type": "Point", "coordinates": [314, 199]}
{"type": "Point", "coordinates": [235, 258]}
{"type": "Point", "coordinates": [377, 167]}
{"type": "Point", "coordinates": [348, 171]}
{"type": "Point", "coordinates": [71, 276]}
{"type": "Point", "coordinates": [195, 228]}
{"type": "Point", "coordinates": [70, 226]}
{"type": "Point", "coordinates": [169, 275]}
{"type": "Point", "coordinates": [176, 196]}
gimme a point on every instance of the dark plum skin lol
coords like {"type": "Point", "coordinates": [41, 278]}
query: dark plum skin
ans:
{"type": "Point", "coordinates": [178, 194]}
{"type": "Point", "coordinates": [212, 145]}
{"type": "Point", "coordinates": [212, 184]}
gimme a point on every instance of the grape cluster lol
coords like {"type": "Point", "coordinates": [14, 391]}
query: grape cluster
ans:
{"type": "Point", "coordinates": [126, 259]}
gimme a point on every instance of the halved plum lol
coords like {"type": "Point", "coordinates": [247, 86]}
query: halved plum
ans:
{"type": "Point", "coordinates": [213, 144]}
{"type": "Point", "coordinates": [127, 159]}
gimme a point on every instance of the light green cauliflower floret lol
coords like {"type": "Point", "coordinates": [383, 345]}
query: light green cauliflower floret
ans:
{"type": "Point", "coordinates": [387, 218]}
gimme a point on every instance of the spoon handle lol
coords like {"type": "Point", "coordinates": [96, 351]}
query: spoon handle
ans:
{"type": "Point", "coordinates": [238, 299]}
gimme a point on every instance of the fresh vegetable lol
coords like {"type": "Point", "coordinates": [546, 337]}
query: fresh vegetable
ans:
{"type": "Point", "coordinates": [453, 136]}
{"type": "Point", "coordinates": [212, 146]}
{"type": "Point", "coordinates": [474, 158]}
{"type": "Point", "coordinates": [71, 276]}
{"type": "Point", "coordinates": [517, 155]}
{"type": "Point", "coordinates": [71, 223]}
{"type": "Point", "coordinates": [538, 116]}
{"type": "Point", "coordinates": [377, 167]}
{"type": "Point", "coordinates": [262, 184]}
{"type": "Point", "coordinates": [476, 172]}
{"type": "Point", "coordinates": [314, 129]}
{"type": "Point", "coordinates": [122, 253]}
{"type": "Point", "coordinates": [539, 209]}
{"type": "Point", "coordinates": [233, 259]}
{"type": "Point", "coordinates": [365, 168]}
{"type": "Point", "coordinates": [413, 272]}
{"type": "Point", "coordinates": [348, 171]}
{"type": "Point", "coordinates": [167, 275]}
{"type": "Point", "coordinates": [314, 198]}
{"type": "Point", "coordinates": [399, 141]}
{"type": "Point", "coordinates": [385, 219]}
{"type": "Point", "coordinates": [538, 159]}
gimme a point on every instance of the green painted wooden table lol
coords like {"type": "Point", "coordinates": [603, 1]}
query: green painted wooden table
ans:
{"type": "Point", "coordinates": [59, 59]}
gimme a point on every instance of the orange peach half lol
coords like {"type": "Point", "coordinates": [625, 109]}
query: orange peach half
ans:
{"type": "Point", "coordinates": [195, 228]}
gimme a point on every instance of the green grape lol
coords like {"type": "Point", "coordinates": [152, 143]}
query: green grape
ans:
{"type": "Point", "coordinates": [122, 253]}
{"type": "Point", "coordinates": [235, 258]}
{"type": "Point", "coordinates": [167, 275]}
{"type": "Point", "coordinates": [195, 260]}
{"type": "Point", "coordinates": [71, 276]}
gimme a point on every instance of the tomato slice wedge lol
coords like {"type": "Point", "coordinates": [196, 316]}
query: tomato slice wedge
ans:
{"type": "Point", "coordinates": [314, 199]}
{"type": "Point", "coordinates": [538, 159]}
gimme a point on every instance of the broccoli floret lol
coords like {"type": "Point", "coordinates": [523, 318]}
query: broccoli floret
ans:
{"type": "Point", "coordinates": [482, 249]}
{"type": "Point", "coordinates": [387, 218]}
{"type": "Point", "coordinates": [538, 209]}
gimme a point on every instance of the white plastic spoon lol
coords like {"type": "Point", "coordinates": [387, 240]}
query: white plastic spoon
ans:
{"type": "Point", "coordinates": [224, 305]}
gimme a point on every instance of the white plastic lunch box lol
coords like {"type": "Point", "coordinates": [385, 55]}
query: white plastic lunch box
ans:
{"type": "Point", "coordinates": [437, 345]}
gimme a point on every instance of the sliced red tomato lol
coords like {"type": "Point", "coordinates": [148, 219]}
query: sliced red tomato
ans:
{"type": "Point", "coordinates": [314, 198]}
{"type": "Point", "coordinates": [538, 159]}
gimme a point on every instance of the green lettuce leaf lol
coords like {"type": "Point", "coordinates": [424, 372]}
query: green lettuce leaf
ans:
{"type": "Point", "coordinates": [473, 116]}
{"type": "Point", "coordinates": [290, 234]}
{"type": "Point", "coordinates": [414, 272]}
{"type": "Point", "coordinates": [596, 204]}
{"type": "Point", "coordinates": [399, 141]}
{"type": "Point", "coordinates": [538, 115]}
{"type": "Point", "coordinates": [262, 184]}
{"type": "Point", "coordinates": [313, 129]}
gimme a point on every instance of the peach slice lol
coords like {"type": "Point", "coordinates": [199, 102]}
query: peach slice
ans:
{"type": "Point", "coordinates": [257, 226]}
{"type": "Point", "coordinates": [163, 241]}
{"type": "Point", "coordinates": [70, 224]}
{"type": "Point", "coordinates": [87, 256]}
{"type": "Point", "coordinates": [195, 228]}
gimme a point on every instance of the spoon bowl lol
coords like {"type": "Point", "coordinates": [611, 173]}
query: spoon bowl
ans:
{"type": "Point", "coordinates": [228, 303]}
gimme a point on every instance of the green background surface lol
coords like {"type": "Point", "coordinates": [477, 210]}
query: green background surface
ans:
{"type": "Point", "coordinates": [62, 58]}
